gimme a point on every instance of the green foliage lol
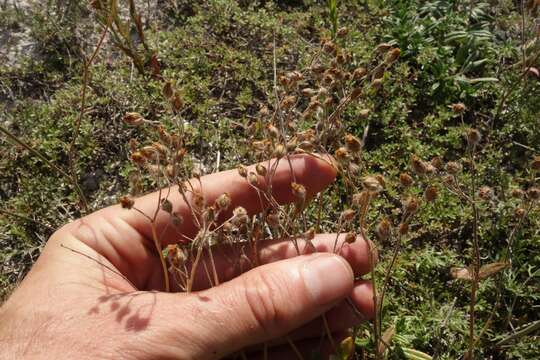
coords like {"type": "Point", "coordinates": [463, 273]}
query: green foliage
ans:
{"type": "Point", "coordinates": [220, 54]}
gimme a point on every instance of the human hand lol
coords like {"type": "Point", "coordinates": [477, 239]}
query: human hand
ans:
{"type": "Point", "coordinates": [97, 289]}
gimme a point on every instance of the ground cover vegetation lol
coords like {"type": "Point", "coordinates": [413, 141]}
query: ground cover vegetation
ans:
{"type": "Point", "coordinates": [428, 110]}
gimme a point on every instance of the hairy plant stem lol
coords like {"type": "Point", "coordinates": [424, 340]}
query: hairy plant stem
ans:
{"type": "Point", "coordinates": [161, 257]}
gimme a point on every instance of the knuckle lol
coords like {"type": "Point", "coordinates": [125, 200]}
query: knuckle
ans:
{"type": "Point", "coordinates": [261, 294]}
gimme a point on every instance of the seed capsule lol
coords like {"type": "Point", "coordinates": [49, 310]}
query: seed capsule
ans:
{"type": "Point", "coordinates": [166, 205]}
{"type": "Point", "coordinates": [353, 143]}
{"type": "Point", "coordinates": [223, 201]}
{"type": "Point", "coordinates": [299, 191]}
{"type": "Point", "coordinates": [260, 169]}
{"type": "Point", "coordinates": [348, 215]}
{"type": "Point", "coordinates": [242, 171]}
{"type": "Point", "coordinates": [431, 193]}
{"type": "Point", "coordinates": [418, 166]}
{"type": "Point", "coordinates": [405, 179]}
{"type": "Point", "coordinates": [473, 137]}
{"type": "Point", "coordinates": [126, 202]}
{"type": "Point", "coordinates": [453, 167]}
{"type": "Point", "coordinates": [458, 108]}
{"type": "Point", "coordinates": [372, 184]}
{"type": "Point", "coordinates": [485, 192]}
{"type": "Point", "coordinates": [533, 193]}
{"type": "Point", "coordinates": [383, 229]}
{"type": "Point", "coordinates": [535, 163]}
{"type": "Point", "coordinates": [350, 238]}
{"type": "Point", "coordinates": [253, 179]}
{"type": "Point", "coordinates": [133, 119]}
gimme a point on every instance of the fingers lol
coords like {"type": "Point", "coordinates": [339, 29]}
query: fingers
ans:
{"type": "Point", "coordinates": [314, 173]}
{"type": "Point", "coordinates": [229, 265]}
{"type": "Point", "coordinates": [264, 303]}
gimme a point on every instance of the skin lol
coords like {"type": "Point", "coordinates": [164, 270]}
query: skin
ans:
{"type": "Point", "coordinates": [109, 302]}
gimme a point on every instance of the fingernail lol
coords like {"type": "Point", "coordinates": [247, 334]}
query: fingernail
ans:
{"type": "Point", "coordinates": [327, 278]}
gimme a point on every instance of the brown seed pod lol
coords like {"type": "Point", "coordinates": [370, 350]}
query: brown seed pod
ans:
{"type": "Point", "coordinates": [410, 205]}
{"type": "Point", "coordinates": [317, 68]}
{"type": "Point", "coordinates": [309, 234]}
{"type": "Point", "coordinates": [177, 102]}
{"type": "Point", "coordinates": [437, 162]}
{"type": "Point", "coordinates": [272, 131]}
{"type": "Point", "coordinates": [350, 237]}
{"type": "Point", "coordinates": [364, 113]}
{"type": "Point", "coordinates": [342, 154]}
{"type": "Point", "coordinates": [383, 47]}
{"type": "Point", "coordinates": [223, 201]}
{"type": "Point", "coordinates": [288, 102]}
{"type": "Point", "coordinates": [279, 151]}
{"type": "Point", "coordinates": [126, 202]}
{"type": "Point", "coordinates": [518, 194]}
{"type": "Point", "coordinates": [383, 229]}
{"type": "Point", "coordinates": [167, 90]}
{"type": "Point", "coordinates": [253, 179]}
{"type": "Point", "coordinates": [260, 169]}
{"type": "Point", "coordinates": [519, 212]}
{"type": "Point", "coordinates": [359, 73]}
{"type": "Point", "coordinates": [533, 193]}
{"type": "Point", "coordinates": [242, 171]}
{"type": "Point", "coordinates": [361, 199]}
{"type": "Point", "coordinates": [353, 143]}
{"type": "Point", "coordinates": [240, 216]}
{"type": "Point", "coordinates": [329, 47]}
{"type": "Point", "coordinates": [458, 108]}
{"type": "Point", "coordinates": [372, 184]}
{"type": "Point", "coordinates": [418, 166]}
{"type": "Point", "coordinates": [138, 158]}
{"type": "Point", "coordinates": [348, 215]}
{"type": "Point", "coordinates": [485, 193]}
{"type": "Point", "coordinates": [403, 228]}
{"type": "Point", "coordinates": [453, 167]}
{"type": "Point", "coordinates": [299, 191]}
{"type": "Point", "coordinates": [431, 193]}
{"type": "Point", "coordinates": [342, 32]}
{"type": "Point", "coordinates": [473, 137]}
{"type": "Point", "coordinates": [133, 119]}
{"type": "Point", "coordinates": [355, 93]}
{"type": "Point", "coordinates": [392, 56]}
{"type": "Point", "coordinates": [166, 205]}
{"type": "Point", "coordinates": [405, 179]}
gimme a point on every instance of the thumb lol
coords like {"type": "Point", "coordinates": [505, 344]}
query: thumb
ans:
{"type": "Point", "coordinates": [264, 303]}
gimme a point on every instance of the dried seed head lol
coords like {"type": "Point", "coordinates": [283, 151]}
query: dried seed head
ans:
{"type": "Point", "coordinates": [359, 73]}
{"type": "Point", "coordinates": [167, 90]}
{"type": "Point", "coordinates": [535, 163]}
{"type": "Point", "coordinates": [485, 192]}
{"type": "Point", "coordinates": [299, 191]}
{"type": "Point", "coordinates": [533, 193]}
{"type": "Point", "coordinates": [418, 166]}
{"type": "Point", "coordinates": [453, 167]}
{"type": "Point", "coordinates": [260, 169]}
{"type": "Point", "coordinates": [519, 212]}
{"type": "Point", "coordinates": [177, 102]}
{"type": "Point", "coordinates": [288, 102]}
{"type": "Point", "coordinates": [160, 148]}
{"type": "Point", "coordinates": [253, 179]}
{"type": "Point", "coordinates": [342, 154]}
{"type": "Point", "coordinates": [138, 158]}
{"type": "Point", "coordinates": [353, 143]}
{"type": "Point", "coordinates": [223, 201]}
{"type": "Point", "coordinates": [372, 184]}
{"type": "Point", "coordinates": [126, 202]}
{"type": "Point", "coordinates": [133, 119]}
{"type": "Point", "coordinates": [242, 171]}
{"type": "Point", "coordinates": [342, 32]}
{"type": "Point", "coordinates": [272, 131]}
{"type": "Point", "coordinates": [149, 152]}
{"type": "Point", "coordinates": [309, 92]}
{"type": "Point", "coordinates": [350, 238]}
{"type": "Point", "coordinates": [405, 179]}
{"type": "Point", "coordinates": [383, 47]}
{"type": "Point", "coordinates": [179, 156]}
{"type": "Point", "coordinates": [392, 56]}
{"type": "Point", "coordinates": [291, 145]}
{"type": "Point", "coordinates": [170, 171]}
{"type": "Point", "coordinates": [410, 205]}
{"type": "Point", "coordinates": [473, 137]}
{"type": "Point", "coordinates": [329, 47]}
{"type": "Point", "coordinates": [317, 68]}
{"type": "Point", "coordinates": [306, 146]}
{"type": "Point", "coordinates": [279, 151]}
{"type": "Point", "coordinates": [361, 199]}
{"type": "Point", "coordinates": [166, 205]}
{"type": "Point", "coordinates": [341, 58]}
{"type": "Point", "coordinates": [458, 108]}
{"type": "Point", "coordinates": [449, 180]}
{"type": "Point", "coordinates": [348, 215]}
{"type": "Point", "coordinates": [403, 228]}
{"type": "Point", "coordinates": [518, 194]}
{"type": "Point", "coordinates": [354, 169]}
{"type": "Point", "coordinates": [240, 216]}
{"type": "Point", "coordinates": [437, 162]}
{"type": "Point", "coordinates": [383, 229]}
{"type": "Point", "coordinates": [431, 193]}
{"type": "Point", "coordinates": [309, 234]}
